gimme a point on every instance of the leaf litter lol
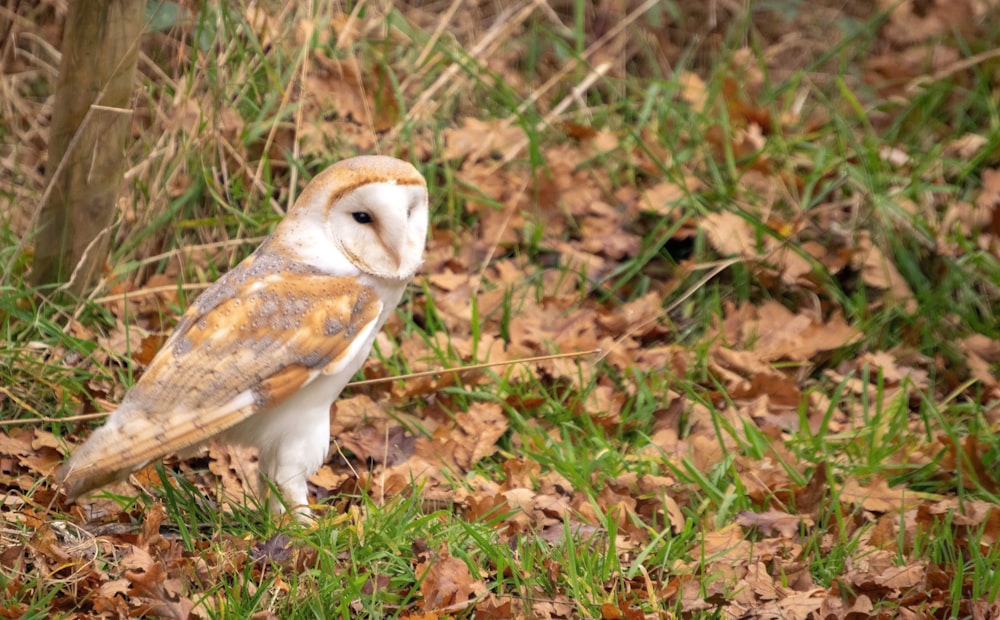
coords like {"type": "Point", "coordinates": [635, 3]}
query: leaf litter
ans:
{"type": "Point", "coordinates": [543, 250]}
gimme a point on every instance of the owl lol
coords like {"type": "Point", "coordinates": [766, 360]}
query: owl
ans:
{"type": "Point", "coordinates": [260, 356]}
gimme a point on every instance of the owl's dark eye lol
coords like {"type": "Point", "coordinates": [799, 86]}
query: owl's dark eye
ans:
{"type": "Point", "coordinates": [361, 217]}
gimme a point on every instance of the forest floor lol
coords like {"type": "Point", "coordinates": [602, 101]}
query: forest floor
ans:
{"type": "Point", "coordinates": [772, 236]}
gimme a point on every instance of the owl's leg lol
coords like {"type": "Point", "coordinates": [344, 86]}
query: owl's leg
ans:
{"type": "Point", "coordinates": [287, 466]}
{"type": "Point", "coordinates": [294, 491]}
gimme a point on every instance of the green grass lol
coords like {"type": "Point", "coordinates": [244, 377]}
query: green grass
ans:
{"type": "Point", "coordinates": [602, 531]}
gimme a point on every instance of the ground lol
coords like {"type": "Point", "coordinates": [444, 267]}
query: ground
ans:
{"type": "Point", "coordinates": [764, 239]}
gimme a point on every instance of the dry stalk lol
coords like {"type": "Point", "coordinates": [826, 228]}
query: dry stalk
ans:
{"type": "Point", "coordinates": [429, 46]}
{"type": "Point", "coordinates": [414, 375]}
{"type": "Point", "coordinates": [427, 103]}
{"type": "Point", "coordinates": [568, 68]}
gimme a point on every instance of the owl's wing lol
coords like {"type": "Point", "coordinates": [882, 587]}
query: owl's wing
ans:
{"type": "Point", "coordinates": [225, 361]}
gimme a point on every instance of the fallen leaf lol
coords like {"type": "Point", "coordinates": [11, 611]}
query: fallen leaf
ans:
{"type": "Point", "coordinates": [876, 497]}
{"type": "Point", "coordinates": [447, 585]}
{"type": "Point", "coordinates": [774, 521]}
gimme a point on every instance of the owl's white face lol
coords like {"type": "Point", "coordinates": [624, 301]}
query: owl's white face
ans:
{"type": "Point", "coordinates": [369, 217]}
{"type": "Point", "coordinates": [381, 228]}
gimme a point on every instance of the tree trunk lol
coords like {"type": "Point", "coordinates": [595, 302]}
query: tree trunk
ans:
{"type": "Point", "coordinates": [87, 140]}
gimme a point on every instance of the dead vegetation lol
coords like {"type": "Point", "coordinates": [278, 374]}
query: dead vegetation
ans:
{"type": "Point", "coordinates": [779, 227]}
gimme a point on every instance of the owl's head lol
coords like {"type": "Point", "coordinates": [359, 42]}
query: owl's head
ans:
{"type": "Point", "coordinates": [373, 209]}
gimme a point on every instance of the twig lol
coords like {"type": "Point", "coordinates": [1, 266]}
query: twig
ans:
{"type": "Point", "coordinates": [50, 420]}
{"type": "Point", "coordinates": [508, 21]}
{"type": "Point", "coordinates": [718, 267]}
{"type": "Point", "coordinates": [293, 174]}
{"type": "Point", "coordinates": [557, 78]}
{"type": "Point", "coordinates": [153, 290]}
{"type": "Point", "coordinates": [951, 69]}
{"type": "Point", "coordinates": [286, 96]}
{"type": "Point", "coordinates": [127, 267]}
{"type": "Point", "coordinates": [575, 95]}
{"type": "Point", "coordinates": [415, 375]}
{"type": "Point", "coordinates": [442, 371]}
{"type": "Point", "coordinates": [442, 24]}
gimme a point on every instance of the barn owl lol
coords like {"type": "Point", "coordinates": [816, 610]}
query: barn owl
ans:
{"type": "Point", "coordinates": [260, 356]}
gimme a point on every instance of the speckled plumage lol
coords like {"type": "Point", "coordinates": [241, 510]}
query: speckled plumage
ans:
{"type": "Point", "coordinates": [259, 357]}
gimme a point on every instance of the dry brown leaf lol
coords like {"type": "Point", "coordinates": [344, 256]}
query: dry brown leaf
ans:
{"type": "Point", "coordinates": [477, 431]}
{"type": "Point", "coordinates": [801, 605]}
{"type": "Point", "coordinates": [983, 346]}
{"type": "Point", "coordinates": [236, 468]}
{"type": "Point", "coordinates": [980, 353]}
{"type": "Point", "coordinates": [774, 521]}
{"type": "Point", "coordinates": [152, 585]}
{"type": "Point", "coordinates": [330, 481]}
{"type": "Point", "coordinates": [551, 607]}
{"type": "Point", "coordinates": [447, 585]}
{"type": "Point", "coordinates": [879, 272]}
{"type": "Point", "coordinates": [808, 498]}
{"type": "Point", "coordinates": [773, 332]}
{"type": "Point", "coordinates": [967, 457]}
{"type": "Point", "coordinates": [693, 90]}
{"type": "Point", "coordinates": [491, 608]}
{"type": "Point", "coordinates": [384, 442]}
{"type": "Point", "coordinates": [730, 234]}
{"type": "Point", "coordinates": [902, 577]}
{"type": "Point", "coordinates": [477, 139]}
{"type": "Point", "coordinates": [661, 197]}
{"type": "Point", "coordinates": [727, 545]}
{"type": "Point", "coordinates": [337, 85]}
{"type": "Point", "coordinates": [17, 445]}
{"type": "Point", "coordinates": [912, 22]}
{"type": "Point", "coordinates": [891, 372]}
{"type": "Point", "coordinates": [965, 147]}
{"type": "Point", "coordinates": [877, 496]}
{"type": "Point", "coordinates": [760, 583]}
